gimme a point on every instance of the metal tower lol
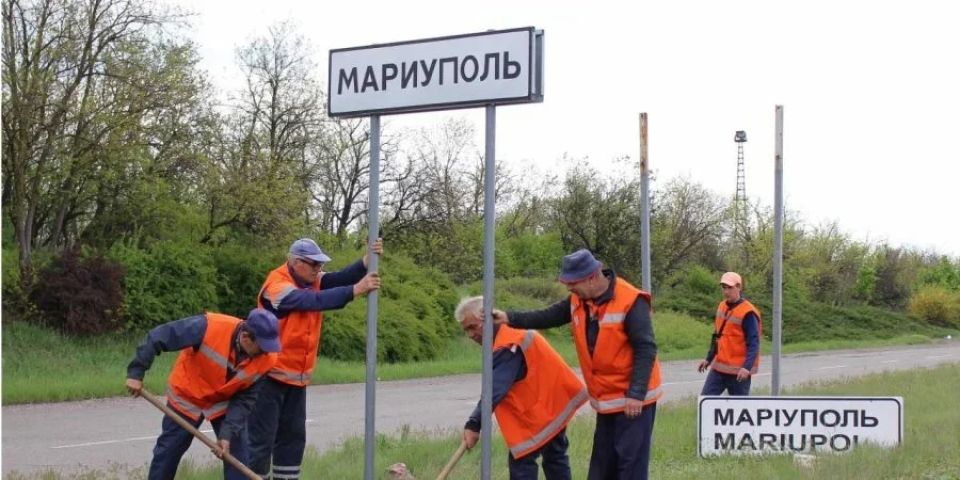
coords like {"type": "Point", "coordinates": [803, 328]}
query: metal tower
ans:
{"type": "Point", "coordinates": [740, 201]}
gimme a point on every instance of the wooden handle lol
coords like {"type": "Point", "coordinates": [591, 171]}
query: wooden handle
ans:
{"type": "Point", "coordinates": [453, 462]}
{"type": "Point", "coordinates": [196, 433]}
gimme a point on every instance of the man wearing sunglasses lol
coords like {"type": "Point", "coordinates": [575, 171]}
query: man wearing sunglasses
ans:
{"type": "Point", "coordinates": [297, 292]}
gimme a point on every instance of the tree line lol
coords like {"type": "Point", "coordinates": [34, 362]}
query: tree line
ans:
{"type": "Point", "coordinates": [113, 133]}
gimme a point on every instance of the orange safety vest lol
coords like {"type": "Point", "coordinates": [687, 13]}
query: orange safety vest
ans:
{"type": "Point", "coordinates": [198, 383]}
{"type": "Point", "coordinates": [732, 346]}
{"type": "Point", "coordinates": [299, 330]}
{"type": "Point", "coordinates": [608, 371]}
{"type": "Point", "coordinates": [543, 403]}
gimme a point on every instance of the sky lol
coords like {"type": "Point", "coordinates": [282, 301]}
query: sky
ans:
{"type": "Point", "coordinates": [869, 93]}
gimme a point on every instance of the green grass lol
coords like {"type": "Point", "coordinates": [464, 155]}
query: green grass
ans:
{"type": "Point", "coordinates": [43, 366]}
{"type": "Point", "coordinates": [929, 450]}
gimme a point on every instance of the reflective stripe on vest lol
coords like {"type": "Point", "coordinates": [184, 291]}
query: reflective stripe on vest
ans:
{"type": "Point", "coordinates": [731, 348]}
{"type": "Point", "coordinates": [730, 369]}
{"type": "Point", "coordinates": [551, 429]}
{"type": "Point", "coordinates": [607, 370]}
{"type": "Point", "coordinates": [300, 330]}
{"type": "Point", "coordinates": [184, 406]}
{"type": "Point", "coordinates": [199, 385]}
{"type": "Point", "coordinates": [293, 376]}
{"type": "Point", "coordinates": [606, 406]}
{"type": "Point", "coordinates": [540, 405]}
{"type": "Point", "coordinates": [219, 360]}
{"type": "Point", "coordinates": [194, 410]}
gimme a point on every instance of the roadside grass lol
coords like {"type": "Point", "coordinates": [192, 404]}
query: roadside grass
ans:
{"type": "Point", "coordinates": [929, 450]}
{"type": "Point", "coordinates": [40, 365]}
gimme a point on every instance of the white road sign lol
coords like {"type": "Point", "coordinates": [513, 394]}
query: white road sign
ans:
{"type": "Point", "coordinates": [501, 67]}
{"type": "Point", "coordinates": [756, 425]}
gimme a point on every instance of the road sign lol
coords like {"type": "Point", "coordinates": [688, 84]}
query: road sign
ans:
{"type": "Point", "coordinates": [472, 70]}
{"type": "Point", "coordinates": [768, 424]}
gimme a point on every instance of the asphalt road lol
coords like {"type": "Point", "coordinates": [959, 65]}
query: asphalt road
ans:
{"type": "Point", "coordinates": [69, 437]}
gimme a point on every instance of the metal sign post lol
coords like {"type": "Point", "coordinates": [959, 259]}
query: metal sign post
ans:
{"type": "Point", "coordinates": [502, 67]}
{"type": "Point", "coordinates": [777, 251]}
{"type": "Point", "coordinates": [644, 207]}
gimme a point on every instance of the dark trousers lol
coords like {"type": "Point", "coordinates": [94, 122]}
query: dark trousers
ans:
{"type": "Point", "coordinates": [621, 446]}
{"type": "Point", "coordinates": [278, 430]}
{"type": "Point", "coordinates": [556, 464]}
{"type": "Point", "coordinates": [717, 382]}
{"type": "Point", "coordinates": [174, 441]}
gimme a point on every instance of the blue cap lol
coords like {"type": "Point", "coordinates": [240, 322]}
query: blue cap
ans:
{"type": "Point", "coordinates": [264, 326]}
{"type": "Point", "coordinates": [307, 248]}
{"type": "Point", "coordinates": [577, 266]}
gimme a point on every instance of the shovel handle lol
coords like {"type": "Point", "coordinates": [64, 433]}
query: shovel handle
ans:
{"type": "Point", "coordinates": [196, 433]}
{"type": "Point", "coordinates": [453, 462]}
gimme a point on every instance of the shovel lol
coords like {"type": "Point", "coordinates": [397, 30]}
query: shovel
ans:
{"type": "Point", "coordinates": [196, 433]}
{"type": "Point", "coordinates": [453, 462]}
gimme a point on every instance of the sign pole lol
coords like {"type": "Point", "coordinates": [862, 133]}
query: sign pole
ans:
{"type": "Point", "coordinates": [489, 69]}
{"type": "Point", "coordinates": [369, 433]}
{"type": "Point", "coordinates": [777, 252]}
{"type": "Point", "coordinates": [489, 226]}
{"type": "Point", "coordinates": [644, 207]}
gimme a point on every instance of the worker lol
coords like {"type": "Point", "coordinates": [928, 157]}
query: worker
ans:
{"type": "Point", "coordinates": [535, 395]}
{"type": "Point", "coordinates": [221, 368]}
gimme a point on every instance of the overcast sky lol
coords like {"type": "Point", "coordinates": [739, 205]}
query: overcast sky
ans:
{"type": "Point", "coordinates": [869, 89]}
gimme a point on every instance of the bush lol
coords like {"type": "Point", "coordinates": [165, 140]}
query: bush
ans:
{"type": "Point", "coordinates": [702, 281]}
{"type": "Point", "coordinates": [241, 271]}
{"type": "Point", "coordinates": [803, 321]}
{"type": "Point", "coordinates": [415, 314]}
{"type": "Point", "coordinates": [81, 296]}
{"type": "Point", "coordinates": [166, 281]}
{"type": "Point", "coordinates": [937, 305]}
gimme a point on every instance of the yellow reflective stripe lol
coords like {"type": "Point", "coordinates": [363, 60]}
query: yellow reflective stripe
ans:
{"type": "Point", "coordinates": [553, 427]}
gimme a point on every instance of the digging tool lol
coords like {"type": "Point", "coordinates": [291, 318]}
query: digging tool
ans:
{"type": "Point", "coordinates": [196, 433]}
{"type": "Point", "coordinates": [453, 462]}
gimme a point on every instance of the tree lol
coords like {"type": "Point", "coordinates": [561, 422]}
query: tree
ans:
{"type": "Point", "coordinates": [260, 174]}
{"type": "Point", "coordinates": [72, 75]}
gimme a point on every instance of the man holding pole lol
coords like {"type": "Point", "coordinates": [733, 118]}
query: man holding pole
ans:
{"type": "Point", "coordinates": [613, 334]}
{"type": "Point", "coordinates": [297, 292]}
{"type": "Point", "coordinates": [535, 395]}
{"type": "Point", "coordinates": [734, 354]}
{"type": "Point", "coordinates": [221, 368]}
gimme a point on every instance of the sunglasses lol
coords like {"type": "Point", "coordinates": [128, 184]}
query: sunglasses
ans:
{"type": "Point", "coordinates": [312, 264]}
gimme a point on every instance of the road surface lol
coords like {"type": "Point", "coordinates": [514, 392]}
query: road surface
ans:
{"type": "Point", "coordinates": [73, 436]}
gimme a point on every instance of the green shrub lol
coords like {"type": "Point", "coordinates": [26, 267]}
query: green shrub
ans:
{"type": "Point", "coordinates": [241, 271]}
{"type": "Point", "coordinates": [803, 321]}
{"type": "Point", "coordinates": [166, 281]}
{"type": "Point", "coordinates": [414, 317]}
{"type": "Point", "coordinates": [699, 280]}
{"type": "Point", "coordinates": [675, 331]}
{"type": "Point", "coordinates": [937, 305]}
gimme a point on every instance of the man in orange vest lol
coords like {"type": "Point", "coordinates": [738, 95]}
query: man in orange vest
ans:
{"type": "Point", "coordinates": [535, 395]}
{"type": "Point", "coordinates": [222, 366]}
{"type": "Point", "coordinates": [613, 333]}
{"type": "Point", "coordinates": [297, 292]}
{"type": "Point", "coordinates": [734, 354]}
